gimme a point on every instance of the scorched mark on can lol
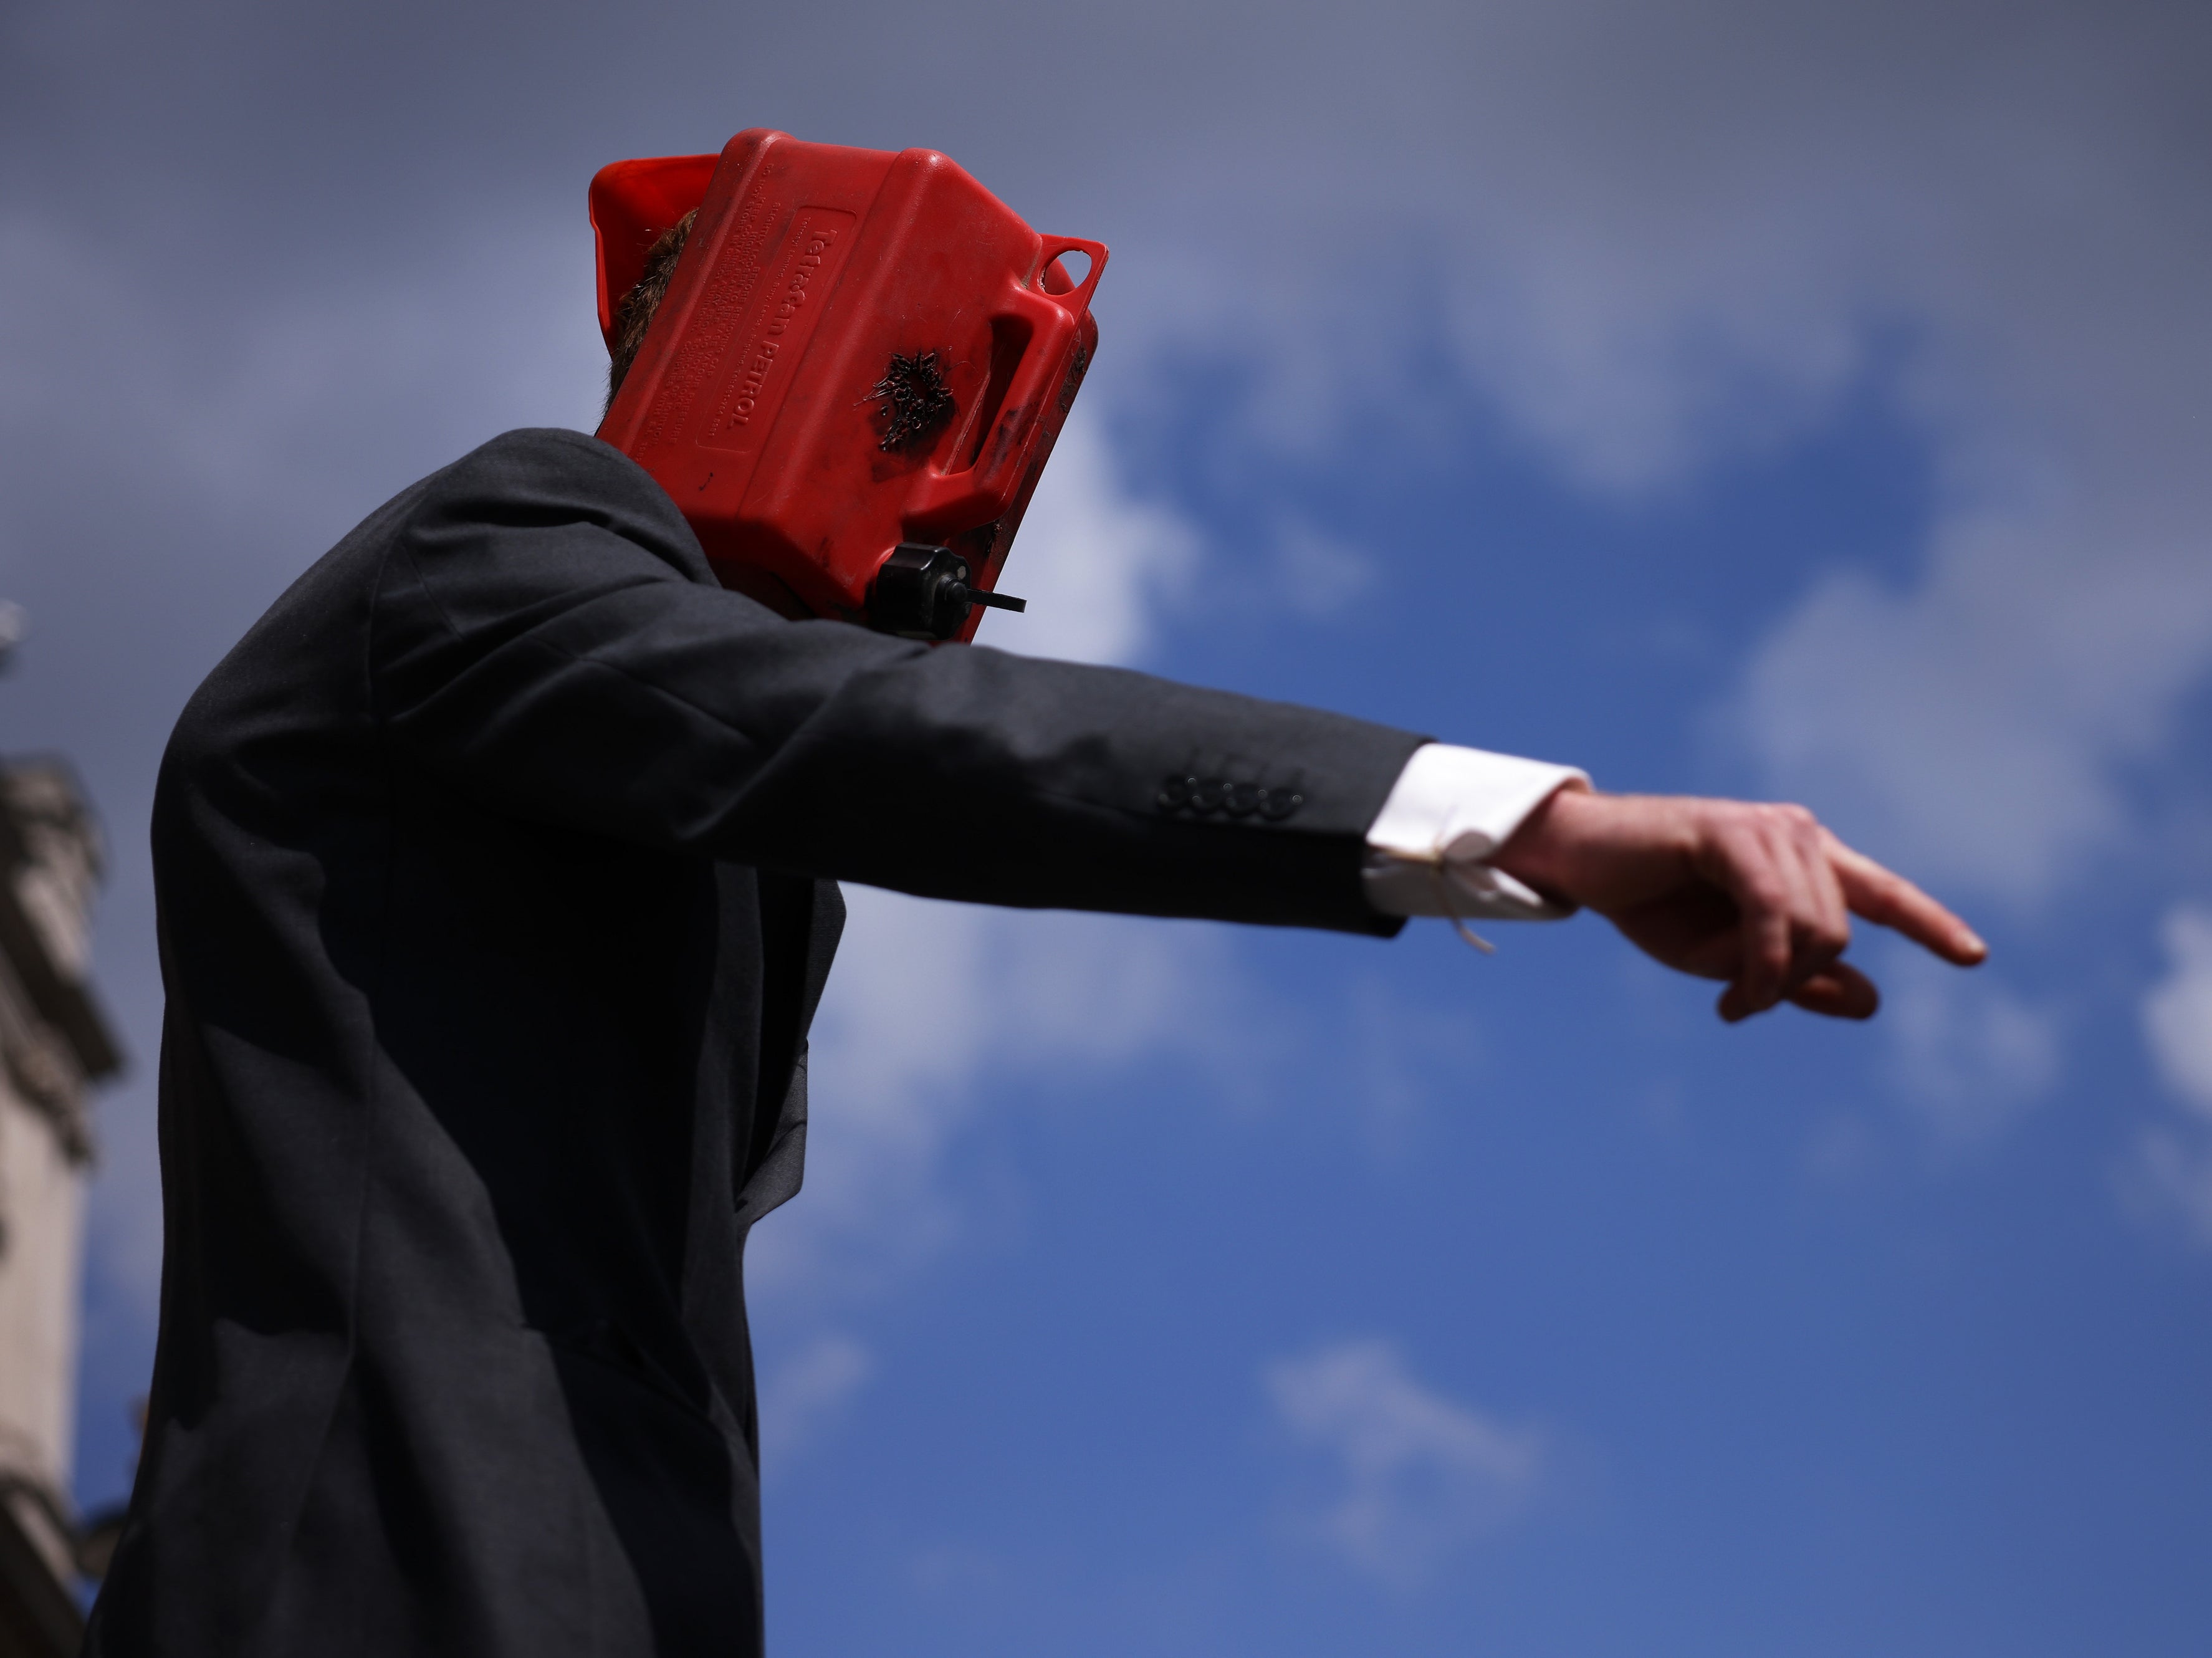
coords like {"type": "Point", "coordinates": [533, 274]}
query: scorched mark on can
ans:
{"type": "Point", "coordinates": [915, 399]}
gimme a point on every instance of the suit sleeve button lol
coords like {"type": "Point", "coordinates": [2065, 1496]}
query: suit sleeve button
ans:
{"type": "Point", "coordinates": [1205, 793]}
{"type": "Point", "coordinates": [1276, 805]}
{"type": "Point", "coordinates": [1175, 793]}
{"type": "Point", "coordinates": [1243, 799]}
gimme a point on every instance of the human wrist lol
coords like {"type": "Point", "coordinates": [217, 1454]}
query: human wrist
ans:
{"type": "Point", "coordinates": [1539, 854]}
{"type": "Point", "coordinates": [1428, 850]}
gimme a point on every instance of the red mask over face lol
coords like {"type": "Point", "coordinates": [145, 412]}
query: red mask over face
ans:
{"type": "Point", "coordinates": [856, 375]}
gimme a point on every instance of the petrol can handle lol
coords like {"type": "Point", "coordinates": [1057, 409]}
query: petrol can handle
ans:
{"type": "Point", "coordinates": [956, 500]}
{"type": "Point", "coordinates": [1076, 299]}
{"type": "Point", "coordinates": [952, 502]}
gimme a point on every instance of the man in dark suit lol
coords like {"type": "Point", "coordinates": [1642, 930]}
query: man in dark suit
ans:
{"type": "Point", "coordinates": [495, 869]}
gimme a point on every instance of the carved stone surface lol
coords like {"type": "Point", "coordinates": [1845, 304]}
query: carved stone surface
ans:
{"type": "Point", "coordinates": [53, 1042]}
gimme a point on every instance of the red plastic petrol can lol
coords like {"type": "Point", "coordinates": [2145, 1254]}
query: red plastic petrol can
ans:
{"type": "Point", "coordinates": [862, 358]}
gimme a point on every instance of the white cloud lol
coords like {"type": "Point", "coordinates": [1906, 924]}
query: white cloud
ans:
{"type": "Point", "coordinates": [935, 1007]}
{"type": "Point", "coordinates": [1967, 1055]}
{"type": "Point", "coordinates": [2170, 1174]}
{"type": "Point", "coordinates": [2177, 1014]}
{"type": "Point", "coordinates": [314, 402]}
{"type": "Point", "coordinates": [937, 1014]}
{"type": "Point", "coordinates": [1976, 723]}
{"type": "Point", "coordinates": [1420, 1476]}
{"type": "Point", "coordinates": [1092, 560]}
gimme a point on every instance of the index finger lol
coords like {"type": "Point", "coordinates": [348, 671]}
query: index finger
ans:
{"type": "Point", "coordinates": [1889, 899]}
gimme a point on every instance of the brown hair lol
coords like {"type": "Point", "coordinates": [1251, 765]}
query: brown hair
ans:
{"type": "Point", "coordinates": [634, 314]}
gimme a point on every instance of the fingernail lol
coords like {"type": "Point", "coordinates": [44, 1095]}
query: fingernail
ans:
{"type": "Point", "coordinates": [1974, 942]}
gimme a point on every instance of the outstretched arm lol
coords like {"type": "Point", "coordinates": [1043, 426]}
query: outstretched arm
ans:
{"type": "Point", "coordinates": [548, 640]}
{"type": "Point", "coordinates": [1761, 896]}
{"type": "Point", "coordinates": [548, 643]}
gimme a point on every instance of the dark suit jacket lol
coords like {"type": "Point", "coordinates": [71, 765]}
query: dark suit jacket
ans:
{"type": "Point", "coordinates": [494, 870]}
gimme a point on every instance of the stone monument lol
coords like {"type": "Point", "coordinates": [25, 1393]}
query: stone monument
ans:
{"type": "Point", "coordinates": [54, 1044]}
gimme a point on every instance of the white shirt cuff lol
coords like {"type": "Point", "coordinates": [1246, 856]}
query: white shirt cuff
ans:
{"type": "Point", "coordinates": [1450, 810]}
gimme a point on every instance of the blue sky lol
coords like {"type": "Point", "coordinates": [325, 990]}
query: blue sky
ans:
{"type": "Point", "coordinates": [1806, 401]}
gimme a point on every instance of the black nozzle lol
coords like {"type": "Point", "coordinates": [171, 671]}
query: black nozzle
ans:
{"type": "Point", "coordinates": [922, 591]}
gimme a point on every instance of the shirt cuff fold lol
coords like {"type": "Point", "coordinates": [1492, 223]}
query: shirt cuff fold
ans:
{"type": "Point", "coordinates": [1450, 810]}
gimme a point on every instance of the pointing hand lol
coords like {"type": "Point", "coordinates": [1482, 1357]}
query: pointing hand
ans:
{"type": "Point", "coordinates": [1759, 895]}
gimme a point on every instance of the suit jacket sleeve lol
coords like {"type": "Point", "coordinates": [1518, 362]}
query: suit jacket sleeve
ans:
{"type": "Point", "coordinates": [547, 638]}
